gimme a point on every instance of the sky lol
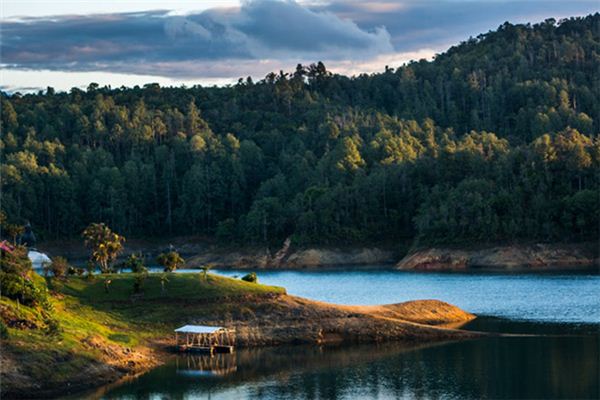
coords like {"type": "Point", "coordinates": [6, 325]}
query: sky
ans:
{"type": "Point", "coordinates": [70, 43]}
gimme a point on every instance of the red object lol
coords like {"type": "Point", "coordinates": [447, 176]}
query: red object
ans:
{"type": "Point", "coordinates": [4, 245]}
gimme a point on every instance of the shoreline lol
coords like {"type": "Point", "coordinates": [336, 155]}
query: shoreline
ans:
{"type": "Point", "coordinates": [485, 257]}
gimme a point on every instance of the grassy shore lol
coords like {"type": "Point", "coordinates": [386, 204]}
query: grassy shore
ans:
{"type": "Point", "coordinates": [99, 336]}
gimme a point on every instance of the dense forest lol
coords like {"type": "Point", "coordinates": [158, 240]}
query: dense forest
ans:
{"type": "Point", "coordinates": [494, 140]}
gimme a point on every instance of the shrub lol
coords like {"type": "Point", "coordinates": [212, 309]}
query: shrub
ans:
{"type": "Point", "coordinates": [138, 282]}
{"type": "Point", "coordinates": [19, 282]}
{"type": "Point", "coordinates": [52, 325]}
{"type": "Point", "coordinates": [251, 277]}
{"type": "Point", "coordinates": [59, 267]}
{"type": "Point", "coordinates": [26, 289]}
{"type": "Point", "coordinates": [135, 264]}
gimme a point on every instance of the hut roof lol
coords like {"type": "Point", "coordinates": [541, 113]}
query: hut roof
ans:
{"type": "Point", "coordinates": [198, 329]}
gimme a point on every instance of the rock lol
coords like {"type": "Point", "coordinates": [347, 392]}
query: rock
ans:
{"type": "Point", "coordinates": [531, 256]}
{"type": "Point", "coordinates": [296, 258]}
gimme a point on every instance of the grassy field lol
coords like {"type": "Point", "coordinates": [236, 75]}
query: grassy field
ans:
{"type": "Point", "coordinates": [95, 326]}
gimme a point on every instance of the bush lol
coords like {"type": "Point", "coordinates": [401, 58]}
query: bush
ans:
{"type": "Point", "coordinates": [52, 325]}
{"type": "Point", "coordinates": [59, 267]}
{"type": "Point", "coordinates": [138, 282]}
{"type": "Point", "coordinates": [251, 277]}
{"type": "Point", "coordinates": [19, 282]}
{"type": "Point", "coordinates": [26, 289]}
{"type": "Point", "coordinates": [135, 264]}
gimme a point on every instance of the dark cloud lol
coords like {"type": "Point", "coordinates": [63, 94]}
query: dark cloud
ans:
{"type": "Point", "coordinates": [414, 24]}
{"type": "Point", "coordinates": [152, 42]}
{"type": "Point", "coordinates": [260, 34]}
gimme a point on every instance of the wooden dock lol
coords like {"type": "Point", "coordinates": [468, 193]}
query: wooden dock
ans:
{"type": "Point", "coordinates": [204, 339]}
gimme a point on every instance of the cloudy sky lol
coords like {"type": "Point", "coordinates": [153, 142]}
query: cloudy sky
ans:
{"type": "Point", "coordinates": [71, 43]}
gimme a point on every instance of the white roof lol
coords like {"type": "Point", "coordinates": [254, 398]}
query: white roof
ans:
{"type": "Point", "coordinates": [37, 258]}
{"type": "Point", "coordinates": [198, 329]}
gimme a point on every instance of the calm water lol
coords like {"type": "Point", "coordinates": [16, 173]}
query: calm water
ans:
{"type": "Point", "coordinates": [556, 357]}
{"type": "Point", "coordinates": [550, 297]}
{"type": "Point", "coordinates": [540, 367]}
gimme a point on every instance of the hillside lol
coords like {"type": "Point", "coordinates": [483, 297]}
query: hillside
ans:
{"type": "Point", "coordinates": [496, 140]}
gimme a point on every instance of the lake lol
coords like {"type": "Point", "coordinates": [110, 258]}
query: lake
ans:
{"type": "Point", "coordinates": [554, 354]}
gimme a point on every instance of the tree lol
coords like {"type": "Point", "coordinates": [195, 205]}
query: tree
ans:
{"type": "Point", "coordinates": [163, 280]}
{"type": "Point", "coordinates": [205, 269]}
{"type": "Point", "coordinates": [135, 263]}
{"type": "Point", "coordinates": [104, 244]}
{"type": "Point", "coordinates": [516, 107]}
{"type": "Point", "coordinates": [138, 281]}
{"type": "Point", "coordinates": [12, 231]}
{"type": "Point", "coordinates": [170, 261]}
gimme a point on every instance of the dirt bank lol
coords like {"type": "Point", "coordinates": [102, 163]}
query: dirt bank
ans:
{"type": "Point", "coordinates": [201, 251]}
{"type": "Point", "coordinates": [288, 319]}
{"type": "Point", "coordinates": [294, 258]}
{"type": "Point", "coordinates": [514, 257]}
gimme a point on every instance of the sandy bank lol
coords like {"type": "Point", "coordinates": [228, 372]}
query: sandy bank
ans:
{"type": "Point", "coordinates": [288, 319]}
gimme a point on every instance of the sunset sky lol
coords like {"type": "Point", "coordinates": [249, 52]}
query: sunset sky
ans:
{"type": "Point", "coordinates": [72, 43]}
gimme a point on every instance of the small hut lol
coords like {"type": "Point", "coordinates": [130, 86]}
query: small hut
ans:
{"type": "Point", "coordinates": [204, 338]}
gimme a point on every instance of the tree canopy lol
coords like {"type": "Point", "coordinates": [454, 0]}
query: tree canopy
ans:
{"type": "Point", "coordinates": [495, 139]}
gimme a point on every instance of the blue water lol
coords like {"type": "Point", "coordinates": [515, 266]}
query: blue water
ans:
{"type": "Point", "coordinates": [556, 297]}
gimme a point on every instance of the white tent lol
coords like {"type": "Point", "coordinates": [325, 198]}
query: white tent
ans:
{"type": "Point", "coordinates": [37, 258]}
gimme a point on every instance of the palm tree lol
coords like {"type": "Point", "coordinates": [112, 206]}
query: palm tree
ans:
{"type": "Point", "coordinates": [104, 244]}
{"type": "Point", "coordinates": [170, 261]}
{"type": "Point", "coordinates": [205, 269]}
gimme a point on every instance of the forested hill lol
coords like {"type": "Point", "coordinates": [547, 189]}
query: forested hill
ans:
{"type": "Point", "coordinates": [494, 140]}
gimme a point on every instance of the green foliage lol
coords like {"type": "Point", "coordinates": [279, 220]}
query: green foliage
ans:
{"type": "Point", "coordinates": [135, 263]}
{"type": "Point", "coordinates": [170, 261]}
{"type": "Point", "coordinates": [250, 277]}
{"type": "Point", "coordinates": [104, 244]}
{"type": "Point", "coordinates": [19, 282]}
{"type": "Point", "coordinates": [8, 230]}
{"type": "Point", "coordinates": [3, 330]}
{"type": "Point", "coordinates": [205, 269]}
{"type": "Point", "coordinates": [59, 267]}
{"type": "Point", "coordinates": [323, 158]}
{"type": "Point", "coordinates": [138, 282]}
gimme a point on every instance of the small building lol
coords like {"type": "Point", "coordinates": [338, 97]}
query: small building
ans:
{"type": "Point", "coordinates": [203, 338]}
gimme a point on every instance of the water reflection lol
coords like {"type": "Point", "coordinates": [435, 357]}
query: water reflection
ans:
{"type": "Point", "coordinates": [498, 367]}
{"type": "Point", "coordinates": [206, 365]}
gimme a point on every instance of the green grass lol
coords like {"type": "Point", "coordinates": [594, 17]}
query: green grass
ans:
{"type": "Point", "coordinates": [186, 296]}
{"type": "Point", "coordinates": [185, 287]}
{"type": "Point", "coordinates": [85, 310]}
